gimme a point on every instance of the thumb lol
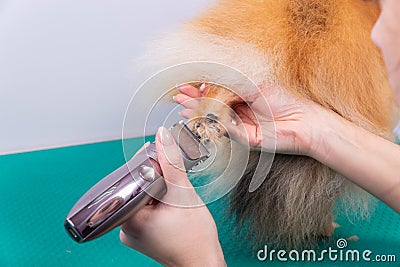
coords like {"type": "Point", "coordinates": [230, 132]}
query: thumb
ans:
{"type": "Point", "coordinates": [180, 191]}
{"type": "Point", "coordinates": [243, 128]}
{"type": "Point", "coordinates": [237, 132]}
{"type": "Point", "coordinates": [170, 158]}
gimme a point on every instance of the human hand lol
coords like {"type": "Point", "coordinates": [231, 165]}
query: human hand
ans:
{"type": "Point", "coordinates": [272, 119]}
{"type": "Point", "coordinates": [173, 235]}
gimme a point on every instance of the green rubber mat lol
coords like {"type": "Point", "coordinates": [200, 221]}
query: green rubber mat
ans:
{"type": "Point", "coordinates": [38, 189]}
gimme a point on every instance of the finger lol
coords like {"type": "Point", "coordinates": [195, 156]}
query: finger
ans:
{"type": "Point", "coordinates": [170, 158]}
{"type": "Point", "coordinates": [237, 132]}
{"type": "Point", "coordinates": [180, 191]}
{"type": "Point", "coordinates": [187, 113]}
{"type": "Point", "coordinates": [243, 130]}
{"type": "Point", "coordinates": [126, 239]}
{"type": "Point", "coordinates": [187, 101]}
{"type": "Point", "coordinates": [133, 240]}
{"type": "Point", "coordinates": [136, 224]}
{"type": "Point", "coordinates": [245, 113]}
{"type": "Point", "coordinates": [189, 90]}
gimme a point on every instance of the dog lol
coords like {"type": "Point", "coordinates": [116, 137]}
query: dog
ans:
{"type": "Point", "coordinates": [315, 49]}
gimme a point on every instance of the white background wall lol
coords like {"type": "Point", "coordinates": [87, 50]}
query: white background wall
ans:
{"type": "Point", "coordinates": [65, 74]}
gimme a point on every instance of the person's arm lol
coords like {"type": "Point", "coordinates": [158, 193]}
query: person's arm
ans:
{"type": "Point", "coordinates": [366, 159]}
{"type": "Point", "coordinates": [303, 127]}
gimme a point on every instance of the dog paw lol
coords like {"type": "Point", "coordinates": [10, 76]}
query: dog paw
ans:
{"type": "Point", "coordinates": [207, 128]}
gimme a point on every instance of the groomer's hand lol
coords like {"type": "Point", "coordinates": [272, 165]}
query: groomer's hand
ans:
{"type": "Point", "coordinates": [174, 234]}
{"type": "Point", "coordinates": [271, 117]}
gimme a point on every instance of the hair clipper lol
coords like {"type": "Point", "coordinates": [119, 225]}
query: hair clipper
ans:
{"type": "Point", "coordinates": [119, 195]}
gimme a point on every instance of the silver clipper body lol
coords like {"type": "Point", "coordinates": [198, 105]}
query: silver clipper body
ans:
{"type": "Point", "coordinates": [119, 195]}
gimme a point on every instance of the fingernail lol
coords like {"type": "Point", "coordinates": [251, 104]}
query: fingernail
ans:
{"type": "Point", "coordinates": [177, 86]}
{"type": "Point", "coordinates": [173, 98]}
{"type": "Point", "coordinates": [166, 137]}
{"type": "Point", "coordinates": [202, 87]}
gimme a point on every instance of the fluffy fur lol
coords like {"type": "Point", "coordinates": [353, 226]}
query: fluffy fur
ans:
{"type": "Point", "coordinates": [316, 49]}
